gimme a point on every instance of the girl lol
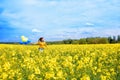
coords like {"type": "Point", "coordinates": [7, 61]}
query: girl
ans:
{"type": "Point", "coordinates": [42, 44]}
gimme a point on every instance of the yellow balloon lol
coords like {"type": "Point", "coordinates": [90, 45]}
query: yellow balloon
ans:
{"type": "Point", "coordinates": [24, 39]}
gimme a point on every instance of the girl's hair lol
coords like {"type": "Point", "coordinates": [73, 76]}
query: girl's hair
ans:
{"type": "Point", "coordinates": [40, 39]}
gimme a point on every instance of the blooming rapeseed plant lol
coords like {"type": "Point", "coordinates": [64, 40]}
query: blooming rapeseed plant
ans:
{"type": "Point", "coordinates": [60, 62]}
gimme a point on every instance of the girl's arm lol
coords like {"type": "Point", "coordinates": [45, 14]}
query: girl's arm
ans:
{"type": "Point", "coordinates": [36, 43]}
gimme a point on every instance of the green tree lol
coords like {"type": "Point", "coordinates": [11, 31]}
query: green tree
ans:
{"type": "Point", "coordinates": [118, 39]}
{"type": "Point", "coordinates": [68, 41]}
{"type": "Point", "coordinates": [97, 40]}
{"type": "Point", "coordinates": [75, 42]}
{"type": "Point", "coordinates": [110, 39]}
{"type": "Point", "coordinates": [102, 41]}
{"type": "Point", "coordinates": [114, 39]}
{"type": "Point", "coordinates": [82, 41]}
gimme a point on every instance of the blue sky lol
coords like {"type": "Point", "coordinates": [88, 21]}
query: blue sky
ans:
{"type": "Point", "coordinates": [58, 19]}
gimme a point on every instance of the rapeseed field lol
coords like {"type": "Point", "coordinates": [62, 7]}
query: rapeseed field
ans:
{"type": "Point", "coordinates": [60, 62]}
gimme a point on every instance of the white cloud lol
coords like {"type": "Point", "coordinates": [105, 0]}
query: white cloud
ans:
{"type": "Point", "coordinates": [89, 24]}
{"type": "Point", "coordinates": [112, 31]}
{"type": "Point", "coordinates": [53, 3]}
{"type": "Point", "coordinates": [36, 30]}
{"type": "Point", "coordinates": [29, 2]}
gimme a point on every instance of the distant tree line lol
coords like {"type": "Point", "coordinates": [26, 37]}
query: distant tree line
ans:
{"type": "Point", "coordinates": [9, 42]}
{"type": "Point", "coordinates": [90, 40]}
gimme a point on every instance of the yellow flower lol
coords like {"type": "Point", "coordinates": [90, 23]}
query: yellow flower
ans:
{"type": "Point", "coordinates": [37, 70]}
{"type": "Point", "coordinates": [112, 70]}
{"type": "Point", "coordinates": [73, 79]}
{"type": "Point", "coordinates": [60, 73]}
{"type": "Point", "coordinates": [31, 77]}
{"type": "Point", "coordinates": [49, 75]}
{"type": "Point", "coordinates": [6, 66]}
{"type": "Point", "coordinates": [80, 65]}
{"type": "Point", "coordinates": [103, 77]}
{"type": "Point", "coordinates": [76, 57]}
{"type": "Point", "coordinates": [85, 77]}
{"type": "Point", "coordinates": [4, 76]}
{"type": "Point", "coordinates": [69, 58]}
{"type": "Point", "coordinates": [99, 70]}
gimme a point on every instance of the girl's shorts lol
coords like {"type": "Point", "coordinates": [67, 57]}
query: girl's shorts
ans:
{"type": "Point", "coordinates": [41, 49]}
